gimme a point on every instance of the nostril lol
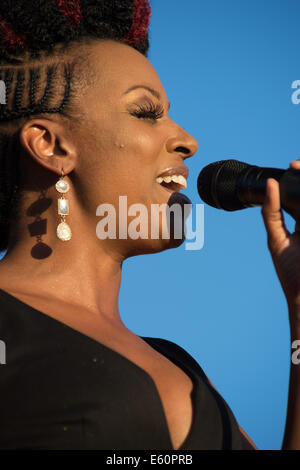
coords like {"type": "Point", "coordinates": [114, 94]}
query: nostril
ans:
{"type": "Point", "coordinates": [182, 149]}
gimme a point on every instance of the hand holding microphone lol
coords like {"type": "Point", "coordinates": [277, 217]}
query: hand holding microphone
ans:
{"type": "Point", "coordinates": [233, 185]}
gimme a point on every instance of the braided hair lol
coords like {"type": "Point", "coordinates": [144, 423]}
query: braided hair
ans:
{"type": "Point", "coordinates": [42, 68]}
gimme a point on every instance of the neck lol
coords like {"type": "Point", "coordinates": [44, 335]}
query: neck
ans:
{"type": "Point", "coordinates": [80, 272]}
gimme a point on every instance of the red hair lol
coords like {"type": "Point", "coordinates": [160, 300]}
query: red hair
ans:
{"type": "Point", "coordinates": [22, 26]}
{"type": "Point", "coordinates": [10, 37]}
{"type": "Point", "coordinates": [141, 21]}
{"type": "Point", "coordinates": [72, 9]}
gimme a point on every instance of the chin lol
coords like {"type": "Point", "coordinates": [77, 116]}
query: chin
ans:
{"type": "Point", "coordinates": [172, 243]}
{"type": "Point", "coordinates": [151, 246]}
{"type": "Point", "coordinates": [153, 233]}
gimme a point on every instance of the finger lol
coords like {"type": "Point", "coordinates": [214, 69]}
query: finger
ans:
{"type": "Point", "coordinates": [273, 217]}
{"type": "Point", "coordinates": [295, 165]}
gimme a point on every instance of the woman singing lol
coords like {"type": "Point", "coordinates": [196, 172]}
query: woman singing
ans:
{"type": "Point", "coordinates": [85, 121]}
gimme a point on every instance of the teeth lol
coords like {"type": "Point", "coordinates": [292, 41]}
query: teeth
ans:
{"type": "Point", "coordinates": [167, 179]}
{"type": "Point", "coordinates": [179, 179]}
{"type": "Point", "coordinates": [182, 181]}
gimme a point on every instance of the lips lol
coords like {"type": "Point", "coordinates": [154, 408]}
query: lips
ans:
{"type": "Point", "coordinates": [174, 178]}
{"type": "Point", "coordinates": [175, 170]}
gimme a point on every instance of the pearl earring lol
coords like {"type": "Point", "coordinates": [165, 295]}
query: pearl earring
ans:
{"type": "Point", "coordinates": [63, 230]}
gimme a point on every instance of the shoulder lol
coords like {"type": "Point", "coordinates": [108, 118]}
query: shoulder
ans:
{"type": "Point", "coordinates": [178, 355]}
{"type": "Point", "coordinates": [175, 351]}
{"type": "Point", "coordinates": [248, 444]}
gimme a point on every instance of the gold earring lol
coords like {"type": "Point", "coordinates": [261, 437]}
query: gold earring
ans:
{"type": "Point", "coordinates": [63, 230]}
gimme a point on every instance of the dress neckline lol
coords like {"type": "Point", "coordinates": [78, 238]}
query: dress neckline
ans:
{"type": "Point", "coordinates": [151, 341]}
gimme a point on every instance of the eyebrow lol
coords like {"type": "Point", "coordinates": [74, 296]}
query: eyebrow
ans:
{"type": "Point", "coordinates": [154, 92]}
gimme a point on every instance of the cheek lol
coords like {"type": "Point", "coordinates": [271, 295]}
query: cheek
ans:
{"type": "Point", "coordinates": [135, 159]}
{"type": "Point", "coordinates": [137, 135]}
{"type": "Point", "coordinates": [141, 148]}
{"type": "Point", "coordinates": [124, 159]}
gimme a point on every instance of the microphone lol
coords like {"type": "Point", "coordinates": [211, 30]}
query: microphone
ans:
{"type": "Point", "coordinates": [233, 185]}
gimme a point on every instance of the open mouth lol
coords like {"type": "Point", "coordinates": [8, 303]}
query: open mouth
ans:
{"type": "Point", "coordinates": [172, 183]}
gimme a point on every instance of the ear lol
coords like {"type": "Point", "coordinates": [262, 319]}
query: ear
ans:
{"type": "Point", "coordinates": [50, 144]}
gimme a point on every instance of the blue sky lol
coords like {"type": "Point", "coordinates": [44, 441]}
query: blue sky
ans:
{"type": "Point", "coordinates": [227, 68]}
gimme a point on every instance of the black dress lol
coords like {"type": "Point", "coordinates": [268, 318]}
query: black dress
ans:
{"type": "Point", "coordinates": [61, 389]}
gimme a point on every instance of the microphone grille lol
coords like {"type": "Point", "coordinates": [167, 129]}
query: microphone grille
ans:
{"type": "Point", "coordinates": [204, 182]}
{"type": "Point", "coordinates": [217, 184]}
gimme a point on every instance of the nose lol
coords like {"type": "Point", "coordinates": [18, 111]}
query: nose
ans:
{"type": "Point", "coordinates": [182, 143]}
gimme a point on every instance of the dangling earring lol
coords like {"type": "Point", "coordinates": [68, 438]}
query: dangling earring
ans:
{"type": "Point", "coordinates": [63, 230]}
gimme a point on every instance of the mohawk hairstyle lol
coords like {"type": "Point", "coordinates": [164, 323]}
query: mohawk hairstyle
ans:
{"type": "Point", "coordinates": [35, 38]}
{"type": "Point", "coordinates": [38, 25]}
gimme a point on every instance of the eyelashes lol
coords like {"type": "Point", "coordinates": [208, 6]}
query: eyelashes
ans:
{"type": "Point", "coordinates": [149, 111]}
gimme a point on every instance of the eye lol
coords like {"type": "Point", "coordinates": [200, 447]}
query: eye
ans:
{"type": "Point", "coordinates": [148, 111]}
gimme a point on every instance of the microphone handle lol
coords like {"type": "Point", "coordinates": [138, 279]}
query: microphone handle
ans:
{"type": "Point", "coordinates": [290, 192]}
{"type": "Point", "coordinates": [251, 184]}
{"type": "Point", "coordinates": [251, 187]}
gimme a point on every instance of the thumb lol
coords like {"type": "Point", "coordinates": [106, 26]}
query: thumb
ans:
{"type": "Point", "coordinates": [278, 236]}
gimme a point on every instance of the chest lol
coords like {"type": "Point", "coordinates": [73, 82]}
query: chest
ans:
{"type": "Point", "coordinates": [173, 385]}
{"type": "Point", "coordinates": [174, 388]}
{"type": "Point", "coordinates": [165, 384]}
